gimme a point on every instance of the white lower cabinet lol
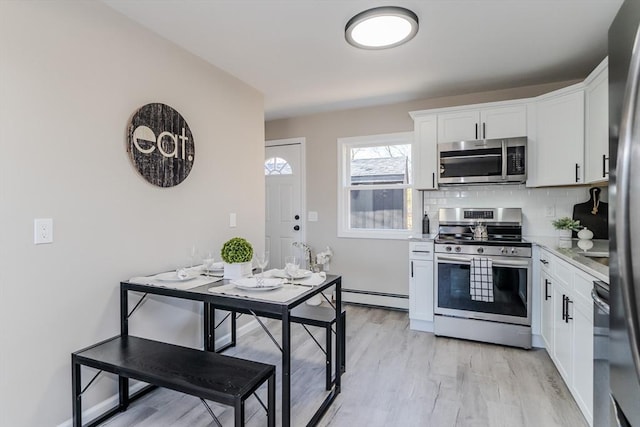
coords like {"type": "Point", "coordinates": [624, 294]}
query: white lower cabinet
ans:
{"type": "Point", "coordinates": [567, 326]}
{"type": "Point", "coordinates": [421, 286]}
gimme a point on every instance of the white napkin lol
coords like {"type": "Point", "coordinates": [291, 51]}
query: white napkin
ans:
{"type": "Point", "coordinates": [314, 279]}
{"type": "Point", "coordinates": [252, 282]}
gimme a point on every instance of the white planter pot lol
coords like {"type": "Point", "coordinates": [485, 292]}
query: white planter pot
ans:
{"type": "Point", "coordinates": [565, 241]}
{"type": "Point", "coordinates": [237, 270]}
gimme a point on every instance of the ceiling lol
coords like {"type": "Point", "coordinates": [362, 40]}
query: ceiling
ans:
{"type": "Point", "coordinates": [294, 51]}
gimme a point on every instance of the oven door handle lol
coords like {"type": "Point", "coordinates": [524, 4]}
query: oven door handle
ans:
{"type": "Point", "coordinates": [501, 263]}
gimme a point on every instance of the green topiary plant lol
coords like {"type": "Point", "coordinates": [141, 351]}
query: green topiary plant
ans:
{"type": "Point", "coordinates": [566, 223]}
{"type": "Point", "coordinates": [236, 250]}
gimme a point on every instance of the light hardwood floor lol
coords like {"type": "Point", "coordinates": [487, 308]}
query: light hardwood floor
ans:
{"type": "Point", "coordinates": [395, 377]}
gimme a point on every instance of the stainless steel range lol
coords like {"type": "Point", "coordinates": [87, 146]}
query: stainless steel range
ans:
{"type": "Point", "coordinates": [483, 276]}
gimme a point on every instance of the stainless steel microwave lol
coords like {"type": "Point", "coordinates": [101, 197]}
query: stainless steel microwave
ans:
{"type": "Point", "coordinates": [488, 161]}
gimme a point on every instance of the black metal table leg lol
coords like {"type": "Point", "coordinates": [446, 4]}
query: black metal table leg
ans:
{"type": "Point", "coordinates": [208, 327]}
{"type": "Point", "coordinates": [123, 383]}
{"type": "Point", "coordinates": [75, 390]}
{"type": "Point", "coordinates": [340, 331]}
{"type": "Point", "coordinates": [286, 368]}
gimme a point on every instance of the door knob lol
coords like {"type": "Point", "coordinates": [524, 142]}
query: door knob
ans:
{"type": "Point", "coordinates": [297, 217]}
{"type": "Point", "coordinates": [296, 227]}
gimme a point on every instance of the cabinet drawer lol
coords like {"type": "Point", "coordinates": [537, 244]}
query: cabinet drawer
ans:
{"type": "Point", "coordinates": [421, 250]}
{"type": "Point", "coordinates": [582, 285]}
{"type": "Point", "coordinates": [563, 272]}
{"type": "Point", "coordinates": [546, 261]}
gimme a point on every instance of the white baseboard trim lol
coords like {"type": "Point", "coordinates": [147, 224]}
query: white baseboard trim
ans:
{"type": "Point", "coordinates": [420, 325]}
{"type": "Point", "coordinates": [537, 341]}
{"type": "Point", "coordinates": [110, 402]}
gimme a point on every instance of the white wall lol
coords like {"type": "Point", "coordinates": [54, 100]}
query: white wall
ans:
{"type": "Point", "coordinates": [71, 75]}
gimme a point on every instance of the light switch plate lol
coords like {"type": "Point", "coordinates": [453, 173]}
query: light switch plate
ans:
{"type": "Point", "coordinates": [232, 220]}
{"type": "Point", "coordinates": [42, 230]}
{"type": "Point", "coordinates": [312, 216]}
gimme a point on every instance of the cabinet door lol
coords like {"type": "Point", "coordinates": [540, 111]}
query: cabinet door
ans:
{"type": "Point", "coordinates": [546, 286]}
{"type": "Point", "coordinates": [583, 358]}
{"type": "Point", "coordinates": [425, 153]}
{"type": "Point", "coordinates": [459, 126]}
{"type": "Point", "coordinates": [559, 140]}
{"type": "Point", "coordinates": [503, 122]}
{"type": "Point", "coordinates": [597, 128]}
{"type": "Point", "coordinates": [421, 290]}
{"type": "Point", "coordinates": [562, 334]}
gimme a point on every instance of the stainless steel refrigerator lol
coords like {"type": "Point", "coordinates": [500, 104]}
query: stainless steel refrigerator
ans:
{"type": "Point", "coordinates": [624, 215]}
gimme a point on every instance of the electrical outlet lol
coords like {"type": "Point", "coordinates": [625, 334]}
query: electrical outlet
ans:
{"type": "Point", "coordinates": [312, 216]}
{"type": "Point", "coordinates": [42, 231]}
{"type": "Point", "coordinates": [550, 211]}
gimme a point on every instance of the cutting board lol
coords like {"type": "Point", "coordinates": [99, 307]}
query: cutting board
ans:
{"type": "Point", "coordinates": [598, 222]}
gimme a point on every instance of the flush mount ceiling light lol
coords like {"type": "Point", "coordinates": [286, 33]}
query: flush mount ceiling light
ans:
{"type": "Point", "coordinates": [381, 28]}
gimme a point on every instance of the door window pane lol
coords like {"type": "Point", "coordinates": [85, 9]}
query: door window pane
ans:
{"type": "Point", "coordinates": [277, 166]}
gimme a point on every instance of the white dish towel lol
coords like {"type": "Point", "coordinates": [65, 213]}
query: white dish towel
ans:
{"type": "Point", "coordinates": [481, 280]}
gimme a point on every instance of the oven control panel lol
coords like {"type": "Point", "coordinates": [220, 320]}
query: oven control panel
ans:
{"type": "Point", "coordinates": [510, 251]}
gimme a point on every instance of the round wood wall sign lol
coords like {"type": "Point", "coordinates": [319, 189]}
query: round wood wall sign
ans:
{"type": "Point", "coordinates": [161, 145]}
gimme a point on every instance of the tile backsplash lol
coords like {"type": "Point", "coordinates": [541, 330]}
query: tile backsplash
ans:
{"type": "Point", "coordinates": [537, 203]}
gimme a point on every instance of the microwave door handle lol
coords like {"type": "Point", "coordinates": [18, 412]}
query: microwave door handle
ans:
{"type": "Point", "coordinates": [629, 135]}
{"type": "Point", "coordinates": [504, 160]}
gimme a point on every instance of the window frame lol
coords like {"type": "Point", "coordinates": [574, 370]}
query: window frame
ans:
{"type": "Point", "coordinates": [344, 186]}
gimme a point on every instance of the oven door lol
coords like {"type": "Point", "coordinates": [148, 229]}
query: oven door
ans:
{"type": "Point", "coordinates": [511, 289]}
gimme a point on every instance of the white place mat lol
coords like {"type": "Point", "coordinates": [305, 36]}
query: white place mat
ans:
{"type": "Point", "coordinates": [314, 280]}
{"type": "Point", "coordinates": [282, 294]}
{"type": "Point", "coordinates": [181, 285]}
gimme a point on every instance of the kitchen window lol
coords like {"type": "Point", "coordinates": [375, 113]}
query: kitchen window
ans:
{"type": "Point", "coordinates": [374, 186]}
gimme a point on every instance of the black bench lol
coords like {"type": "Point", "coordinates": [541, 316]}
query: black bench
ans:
{"type": "Point", "coordinates": [323, 317]}
{"type": "Point", "coordinates": [223, 379]}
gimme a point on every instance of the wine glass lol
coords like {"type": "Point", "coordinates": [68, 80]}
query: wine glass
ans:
{"type": "Point", "coordinates": [207, 261]}
{"type": "Point", "coordinates": [261, 259]}
{"type": "Point", "coordinates": [291, 265]}
{"type": "Point", "coordinates": [192, 252]}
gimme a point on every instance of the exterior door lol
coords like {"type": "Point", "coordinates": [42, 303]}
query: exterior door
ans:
{"type": "Point", "coordinates": [284, 192]}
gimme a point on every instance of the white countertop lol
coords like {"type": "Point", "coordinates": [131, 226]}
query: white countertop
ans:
{"type": "Point", "coordinates": [574, 255]}
{"type": "Point", "coordinates": [422, 237]}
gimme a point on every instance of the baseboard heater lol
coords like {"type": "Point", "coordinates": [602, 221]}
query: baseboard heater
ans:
{"type": "Point", "coordinates": [376, 299]}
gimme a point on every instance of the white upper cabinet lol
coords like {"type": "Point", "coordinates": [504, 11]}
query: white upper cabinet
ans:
{"type": "Point", "coordinates": [484, 123]}
{"type": "Point", "coordinates": [597, 125]}
{"type": "Point", "coordinates": [558, 138]}
{"type": "Point", "coordinates": [425, 152]}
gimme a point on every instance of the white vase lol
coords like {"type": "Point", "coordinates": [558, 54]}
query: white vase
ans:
{"type": "Point", "coordinates": [237, 270]}
{"type": "Point", "coordinates": [585, 234]}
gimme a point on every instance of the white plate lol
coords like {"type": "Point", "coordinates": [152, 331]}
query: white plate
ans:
{"type": "Point", "coordinates": [251, 284]}
{"type": "Point", "coordinates": [172, 276]}
{"type": "Point", "coordinates": [300, 274]}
